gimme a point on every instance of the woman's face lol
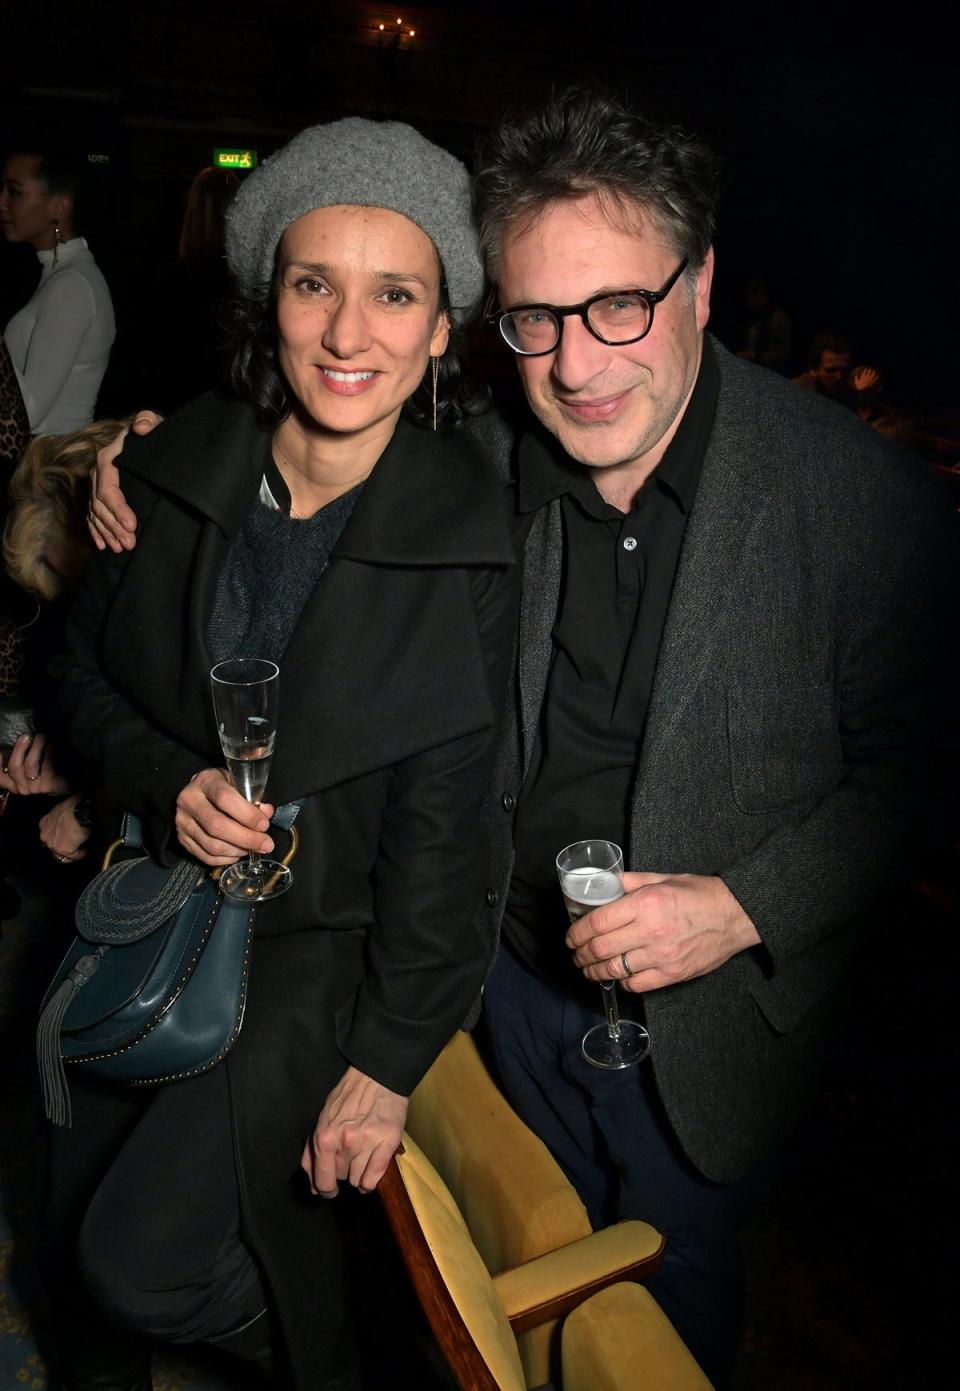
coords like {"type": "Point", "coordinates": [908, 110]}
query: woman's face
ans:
{"type": "Point", "coordinates": [27, 208]}
{"type": "Point", "coordinates": [357, 316]}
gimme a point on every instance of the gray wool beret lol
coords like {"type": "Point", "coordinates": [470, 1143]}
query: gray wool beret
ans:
{"type": "Point", "coordinates": [380, 164]}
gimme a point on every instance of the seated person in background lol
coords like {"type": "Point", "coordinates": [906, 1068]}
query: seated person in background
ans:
{"type": "Point", "coordinates": [831, 357]}
{"type": "Point", "coordinates": [768, 332]}
{"type": "Point", "coordinates": [60, 340]}
{"type": "Point", "coordinates": [45, 543]}
{"type": "Point", "coordinates": [867, 398]}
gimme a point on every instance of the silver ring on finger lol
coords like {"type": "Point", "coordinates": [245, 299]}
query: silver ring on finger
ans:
{"type": "Point", "coordinates": [64, 859]}
{"type": "Point", "coordinates": [625, 964]}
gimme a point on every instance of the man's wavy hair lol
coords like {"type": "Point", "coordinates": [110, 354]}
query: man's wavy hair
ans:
{"type": "Point", "coordinates": [585, 140]}
{"type": "Point", "coordinates": [256, 376]}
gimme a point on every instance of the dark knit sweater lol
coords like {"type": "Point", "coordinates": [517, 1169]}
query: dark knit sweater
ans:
{"type": "Point", "coordinates": [270, 572]}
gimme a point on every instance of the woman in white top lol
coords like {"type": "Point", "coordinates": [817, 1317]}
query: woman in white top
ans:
{"type": "Point", "coordinates": [60, 340]}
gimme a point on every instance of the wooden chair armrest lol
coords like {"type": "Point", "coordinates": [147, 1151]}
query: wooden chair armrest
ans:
{"type": "Point", "coordinates": [551, 1285]}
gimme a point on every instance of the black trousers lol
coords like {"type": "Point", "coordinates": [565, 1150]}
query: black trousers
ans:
{"type": "Point", "coordinates": [143, 1204]}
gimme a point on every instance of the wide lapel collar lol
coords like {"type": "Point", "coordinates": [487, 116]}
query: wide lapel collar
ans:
{"type": "Point", "coordinates": [210, 458]}
{"type": "Point", "coordinates": [539, 605]}
{"type": "Point", "coordinates": [539, 489]}
{"type": "Point", "coordinates": [208, 455]}
{"type": "Point", "coordinates": [432, 499]}
{"type": "Point", "coordinates": [371, 676]}
{"type": "Point", "coordinates": [733, 491]}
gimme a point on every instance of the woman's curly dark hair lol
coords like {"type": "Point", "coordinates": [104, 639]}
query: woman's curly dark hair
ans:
{"type": "Point", "coordinates": [256, 376]}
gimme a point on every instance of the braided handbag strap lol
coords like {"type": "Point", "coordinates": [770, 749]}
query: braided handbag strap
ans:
{"type": "Point", "coordinates": [106, 914]}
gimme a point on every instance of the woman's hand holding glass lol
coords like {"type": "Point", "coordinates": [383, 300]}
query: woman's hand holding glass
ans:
{"type": "Point", "coordinates": [216, 824]}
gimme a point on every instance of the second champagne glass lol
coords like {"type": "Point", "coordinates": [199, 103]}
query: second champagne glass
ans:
{"type": "Point", "coordinates": [591, 874]}
{"type": "Point", "coordinates": [245, 701]}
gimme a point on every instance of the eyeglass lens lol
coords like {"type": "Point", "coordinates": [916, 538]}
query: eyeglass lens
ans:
{"type": "Point", "coordinates": [616, 319]}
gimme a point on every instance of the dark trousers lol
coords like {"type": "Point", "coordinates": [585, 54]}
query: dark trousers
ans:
{"type": "Point", "coordinates": [143, 1202]}
{"type": "Point", "coordinates": [608, 1132]}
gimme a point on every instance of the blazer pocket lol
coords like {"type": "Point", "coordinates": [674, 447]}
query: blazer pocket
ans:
{"type": "Point", "coordinates": [784, 744]}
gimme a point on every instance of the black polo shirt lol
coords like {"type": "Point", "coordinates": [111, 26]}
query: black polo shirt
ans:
{"type": "Point", "coordinates": [618, 575]}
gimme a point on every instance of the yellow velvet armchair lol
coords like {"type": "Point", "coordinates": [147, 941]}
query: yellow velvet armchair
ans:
{"type": "Point", "coordinates": [525, 1221]}
{"type": "Point", "coordinates": [614, 1339]}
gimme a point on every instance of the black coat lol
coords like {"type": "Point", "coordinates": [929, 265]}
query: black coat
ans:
{"type": "Point", "coordinates": [390, 689]}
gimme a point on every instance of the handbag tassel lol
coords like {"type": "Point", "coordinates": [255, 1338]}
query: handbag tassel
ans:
{"type": "Point", "coordinates": [53, 1078]}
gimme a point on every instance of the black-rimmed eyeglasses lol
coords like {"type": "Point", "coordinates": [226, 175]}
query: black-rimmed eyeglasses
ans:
{"type": "Point", "coordinates": [626, 316]}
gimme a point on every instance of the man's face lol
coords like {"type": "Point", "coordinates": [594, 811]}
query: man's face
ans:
{"type": "Point", "coordinates": [607, 406]}
{"type": "Point", "coordinates": [832, 373]}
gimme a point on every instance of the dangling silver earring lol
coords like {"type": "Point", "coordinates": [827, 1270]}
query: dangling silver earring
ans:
{"type": "Point", "coordinates": [58, 239]}
{"type": "Point", "coordinates": [435, 370]}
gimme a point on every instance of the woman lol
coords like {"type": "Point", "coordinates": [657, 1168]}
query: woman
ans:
{"type": "Point", "coordinates": [60, 340]}
{"type": "Point", "coordinates": [45, 543]}
{"type": "Point", "coordinates": [321, 521]}
{"type": "Point", "coordinates": [182, 342]}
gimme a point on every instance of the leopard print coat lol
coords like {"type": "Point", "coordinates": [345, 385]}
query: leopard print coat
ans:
{"type": "Point", "coordinates": [14, 435]}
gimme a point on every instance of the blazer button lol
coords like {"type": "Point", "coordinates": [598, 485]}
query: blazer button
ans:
{"type": "Point", "coordinates": [492, 898]}
{"type": "Point", "coordinates": [508, 801]}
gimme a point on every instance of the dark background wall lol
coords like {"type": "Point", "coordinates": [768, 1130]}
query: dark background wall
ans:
{"type": "Point", "coordinates": [838, 136]}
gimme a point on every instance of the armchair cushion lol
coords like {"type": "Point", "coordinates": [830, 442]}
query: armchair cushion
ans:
{"type": "Point", "coordinates": [620, 1338]}
{"type": "Point", "coordinates": [516, 1200]}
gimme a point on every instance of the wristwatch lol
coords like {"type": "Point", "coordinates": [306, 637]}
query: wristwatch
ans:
{"type": "Point", "coordinates": [83, 812]}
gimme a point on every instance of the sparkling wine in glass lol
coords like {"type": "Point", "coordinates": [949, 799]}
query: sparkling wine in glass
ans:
{"type": "Point", "coordinates": [591, 874]}
{"type": "Point", "coordinates": [245, 701]}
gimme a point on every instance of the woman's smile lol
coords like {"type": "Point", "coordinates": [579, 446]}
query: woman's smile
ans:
{"type": "Point", "coordinates": [346, 383]}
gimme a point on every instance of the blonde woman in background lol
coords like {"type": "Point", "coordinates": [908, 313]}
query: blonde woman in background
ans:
{"type": "Point", "coordinates": [45, 543]}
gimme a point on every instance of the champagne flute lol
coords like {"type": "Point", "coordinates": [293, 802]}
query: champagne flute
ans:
{"type": "Point", "coordinates": [245, 699]}
{"type": "Point", "coordinates": [591, 874]}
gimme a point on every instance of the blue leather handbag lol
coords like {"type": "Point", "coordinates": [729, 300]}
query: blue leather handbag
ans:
{"type": "Point", "coordinates": [153, 987]}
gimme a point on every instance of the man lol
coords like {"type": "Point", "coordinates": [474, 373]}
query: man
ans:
{"type": "Point", "coordinates": [828, 372]}
{"type": "Point", "coordinates": [726, 613]}
{"type": "Point", "coordinates": [768, 329]}
{"type": "Point", "coordinates": [728, 607]}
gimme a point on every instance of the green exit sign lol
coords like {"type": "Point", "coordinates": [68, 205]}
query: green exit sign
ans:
{"type": "Point", "coordinates": [235, 159]}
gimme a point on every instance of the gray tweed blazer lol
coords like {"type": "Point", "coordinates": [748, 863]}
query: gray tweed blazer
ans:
{"type": "Point", "coordinates": [792, 724]}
